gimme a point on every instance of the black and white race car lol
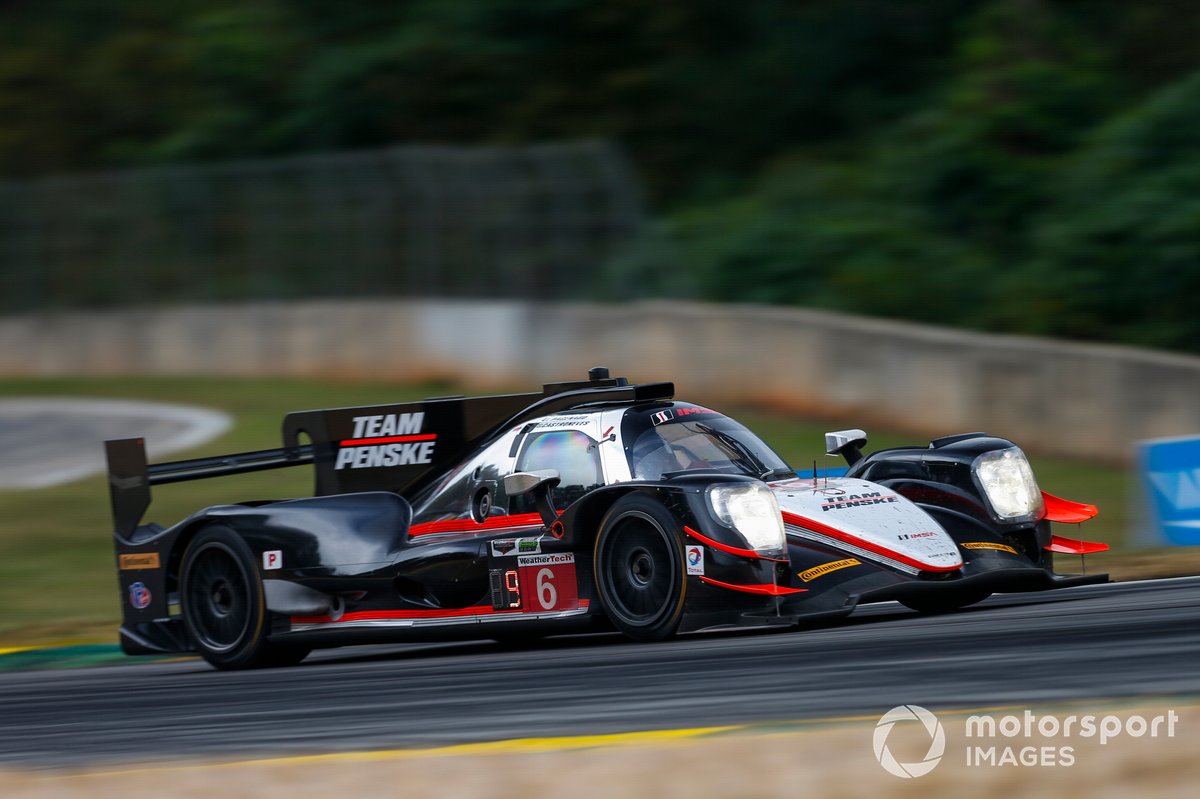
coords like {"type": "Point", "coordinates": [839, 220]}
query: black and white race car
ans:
{"type": "Point", "coordinates": [591, 505]}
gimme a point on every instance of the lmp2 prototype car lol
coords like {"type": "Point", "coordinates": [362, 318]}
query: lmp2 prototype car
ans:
{"type": "Point", "coordinates": [591, 505]}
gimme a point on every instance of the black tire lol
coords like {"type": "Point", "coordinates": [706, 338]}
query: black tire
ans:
{"type": "Point", "coordinates": [223, 606]}
{"type": "Point", "coordinates": [945, 603]}
{"type": "Point", "coordinates": [638, 563]}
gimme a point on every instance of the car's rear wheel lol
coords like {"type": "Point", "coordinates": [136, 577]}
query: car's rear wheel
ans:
{"type": "Point", "coordinates": [945, 603]}
{"type": "Point", "coordinates": [639, 568]}
{"type": "Point", "coordinates": [223, 606]}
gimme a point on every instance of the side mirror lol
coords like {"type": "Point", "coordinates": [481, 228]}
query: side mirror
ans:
{"type": "Point", "coordinates": [521, 483]}
{"type": "Point", "coordinates": [847, 443]}
{"type": "Point", "coordinates": [539, 484]}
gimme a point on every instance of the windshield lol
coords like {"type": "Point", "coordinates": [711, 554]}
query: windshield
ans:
{"type": "Point", "coordinates": [685, 438]}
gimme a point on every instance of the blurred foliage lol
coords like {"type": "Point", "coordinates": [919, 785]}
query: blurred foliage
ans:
{"type": "Point", "coordinates": [1001, 164]}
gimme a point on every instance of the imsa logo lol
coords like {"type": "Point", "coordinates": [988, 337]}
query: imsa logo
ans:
{"type": "Point", "coordinates": [393, 439]}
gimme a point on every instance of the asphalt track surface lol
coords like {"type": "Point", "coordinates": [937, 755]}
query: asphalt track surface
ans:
{"type": "Point", "coordinates": [1096, 642]}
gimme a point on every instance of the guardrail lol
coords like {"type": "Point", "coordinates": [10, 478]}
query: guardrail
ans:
{"type": "Point", "coordinates": [1055, 397]}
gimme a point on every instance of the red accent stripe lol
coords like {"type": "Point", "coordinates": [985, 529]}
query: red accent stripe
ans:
{"type": "Point", "coordinates": [741, 553]}
{"type": "Point", "coordinates": [1064, 510]}
{"type": "Point", "coordinates": [765, 588]}
{"type": "Point", "coordinates": [362, 442]}
{"type": "Point", "coordinates": [471, 526]}
{"type": "Point", "coordinates": [382, 615]}
{"type": "Point", "coordinates": [376, 615]}
{"type": "Point", "coordinates": [840, 535]}
{"type": "Point", "coordinates": [1071, 546]}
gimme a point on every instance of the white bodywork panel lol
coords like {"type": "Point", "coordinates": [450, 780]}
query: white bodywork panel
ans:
{"type": "Point", "coordinates": [612, 448]}
{"type": "Point", "coordinates": [887, 527]}
{"type": "Point", "coordinates": [867, 519]}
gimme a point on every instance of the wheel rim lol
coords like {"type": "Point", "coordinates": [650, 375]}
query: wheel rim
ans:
{"type": "Point", "coordinates": [217, 598]}
{"type": "Point", "coordinates": [636, 574]}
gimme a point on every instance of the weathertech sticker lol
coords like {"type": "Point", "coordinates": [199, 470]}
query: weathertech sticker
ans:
{"type": "Point", "coordinates": [825, 568]}
{"type": "Point", "coordinates": [547, 582]}
{"type": "Point", "coordinates": [989, 545]}
{"type": "Point", "coordinates": [273, 559]}
{"type": "Point", "coordinates": [694, 556]}
{"type": "Point", "coordinates": [145, 560]}
{"type": "Point", "coordinates": [546, 560]}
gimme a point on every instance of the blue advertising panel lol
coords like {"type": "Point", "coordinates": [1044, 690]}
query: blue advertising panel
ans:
{"type": "Point", "coordinates": [1170, 472]}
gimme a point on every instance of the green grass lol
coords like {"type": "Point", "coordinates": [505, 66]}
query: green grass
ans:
{"type": "Point", "coordinates": [57, 575]}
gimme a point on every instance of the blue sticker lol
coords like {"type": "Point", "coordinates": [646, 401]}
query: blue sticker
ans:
{"type": "Point", "coordinates": [139, 596]}
{"type": "Point", "coordinates": [1171, 474]}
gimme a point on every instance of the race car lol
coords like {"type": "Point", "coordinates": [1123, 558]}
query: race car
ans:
{"type": "Point", "coordinates": [592, 505]}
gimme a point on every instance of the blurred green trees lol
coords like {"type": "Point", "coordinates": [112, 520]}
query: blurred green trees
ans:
{"type": "Point", "coordinates": [1017, 165]}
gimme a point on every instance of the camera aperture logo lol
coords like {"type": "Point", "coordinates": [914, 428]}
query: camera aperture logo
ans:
{"type": "Point", "coordinates": [937, 741]}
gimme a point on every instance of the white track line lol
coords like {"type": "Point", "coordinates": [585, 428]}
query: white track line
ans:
{"type": "Point", "coordinates": [198, 425]}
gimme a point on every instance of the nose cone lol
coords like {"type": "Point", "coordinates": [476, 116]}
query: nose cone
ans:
{"type": "Point", "coordinates": [866, 519]}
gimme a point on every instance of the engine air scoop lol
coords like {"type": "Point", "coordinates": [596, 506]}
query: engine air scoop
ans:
{"type": "Point", "coordinates": [866, 519]}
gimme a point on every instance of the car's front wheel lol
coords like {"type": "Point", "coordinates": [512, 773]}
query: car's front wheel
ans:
{"type": "Point", "coordinates": [223, 606]}
{"type": "Point", "coordinates": [639, 568]}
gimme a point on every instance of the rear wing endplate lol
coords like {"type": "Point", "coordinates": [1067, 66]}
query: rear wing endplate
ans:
{"type": "Point", "coordinates": [130, 475]}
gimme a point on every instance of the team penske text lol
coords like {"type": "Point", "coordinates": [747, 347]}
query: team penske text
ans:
{"type": "Point", "coordinates": [384, 455]}
{"type": "Point", "coordinates": [384, 440]}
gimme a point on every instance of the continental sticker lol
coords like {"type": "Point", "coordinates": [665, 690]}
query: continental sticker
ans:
{"type": "Point", "coordinates": [826, 568]}
{"type": "Point", "coordinates": [989, 545]}
{"type": "Point", "coordinates": [141, 560]}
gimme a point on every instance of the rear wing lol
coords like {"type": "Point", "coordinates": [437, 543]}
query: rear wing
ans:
{"type": "Point", "coordinates": [130, 475]}
{"type": "Point", "coordinates": [399, 448]}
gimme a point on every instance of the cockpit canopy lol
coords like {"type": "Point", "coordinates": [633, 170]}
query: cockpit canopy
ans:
{"type": "Point", "coordinates": [668, 438]}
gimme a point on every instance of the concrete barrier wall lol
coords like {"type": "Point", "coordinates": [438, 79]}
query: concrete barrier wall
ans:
{"type": "Point", "coordinates": [1055, 397]}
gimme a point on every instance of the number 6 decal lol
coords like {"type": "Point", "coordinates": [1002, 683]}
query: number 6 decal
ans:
{"type": "Point", "coordinates": [547, 596]}
{"type": "Point", "coordinates": [548, 582]}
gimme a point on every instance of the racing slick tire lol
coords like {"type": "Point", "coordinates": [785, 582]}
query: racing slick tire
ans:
{"type": "Point", "coordinates": [639, 568]}
{"type": "Point", "coordinates": [223, 606]}
{"type": "Point", "coordinates": [945, 603]}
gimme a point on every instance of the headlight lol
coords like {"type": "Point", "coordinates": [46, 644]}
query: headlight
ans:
{"type": "Point", "coordinates": [751, 509]}
{"type": "Point", "coordinates": [1009, 485]}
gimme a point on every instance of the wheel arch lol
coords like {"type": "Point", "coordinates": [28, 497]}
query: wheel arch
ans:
{"type": "Point", "coordinates": [185, 533]}
{"type": "Point", "coordinates": [583, 519]}
{"type": "Point", "coordinates": [370, 528]}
